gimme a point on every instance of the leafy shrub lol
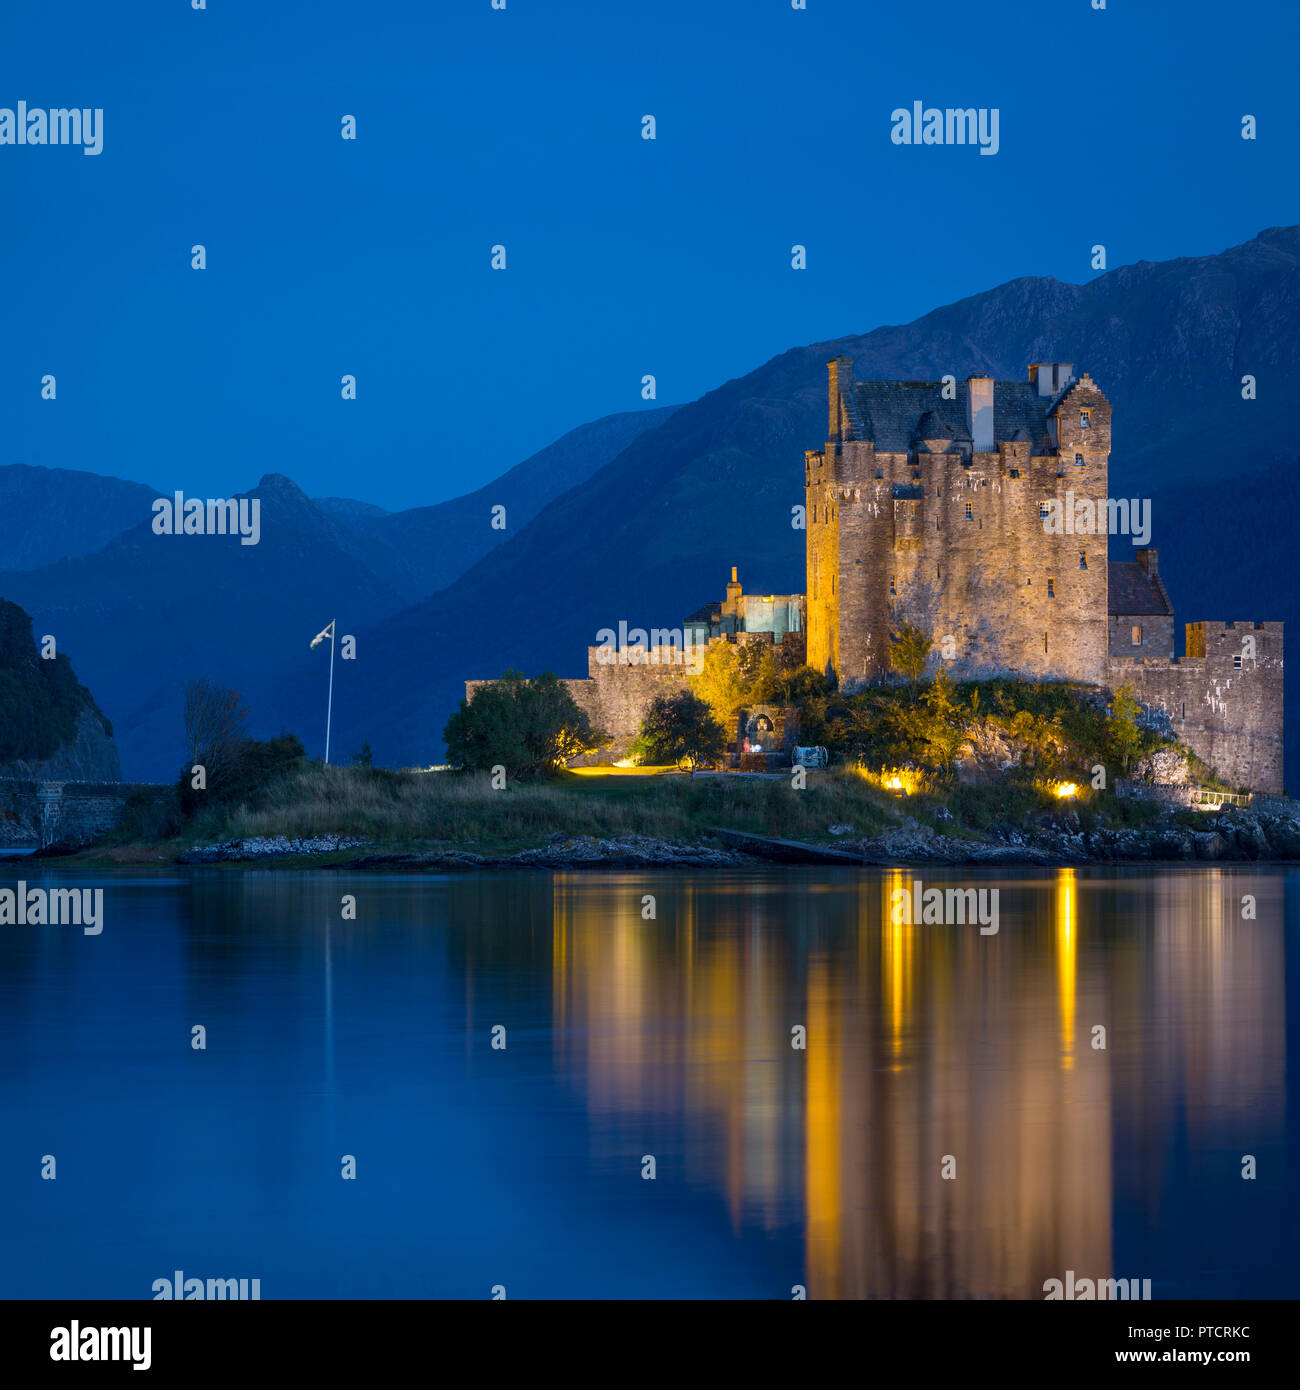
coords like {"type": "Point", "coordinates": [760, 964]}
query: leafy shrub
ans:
{"type": "Point", "coordinates": [680, 730]}
{"type": "Point", "coordinates": [530, 727]}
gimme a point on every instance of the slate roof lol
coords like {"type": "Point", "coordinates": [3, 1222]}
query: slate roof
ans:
{"type": "Point", "coordinates": [931, 426]}
{"type": "Point", "coordinates": [892, 414]}
{"type": "Point", "coordinates": [710, 611]}
{"type": "Point", "coordinates": [1136, 594]}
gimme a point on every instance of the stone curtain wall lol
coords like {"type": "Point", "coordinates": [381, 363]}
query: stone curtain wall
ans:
{"type": "Point", "coordinates": [38, 813]}
{"type": "Point", "coordinates": [1230, 718]}
{"type": "Point", "coordinates": [616, 694]}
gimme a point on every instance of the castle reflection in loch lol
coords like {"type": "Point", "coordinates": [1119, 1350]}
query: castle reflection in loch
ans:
{"type": "Point", "coordinates": [969, 1116]}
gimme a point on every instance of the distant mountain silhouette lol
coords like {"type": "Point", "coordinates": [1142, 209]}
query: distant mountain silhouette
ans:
{"type": "Point", "coordinates": [144, 613]}
{"type": "Point", "coordinates": [149, 612]}
{"type": "Point", "coordinates": [52, 513]}
{"type": "Point", "coordinates": [651, 536]}
{"type": "Point", "coordinates": [423, 549]}
{"type": "Point", "coordinates": [348, 509]}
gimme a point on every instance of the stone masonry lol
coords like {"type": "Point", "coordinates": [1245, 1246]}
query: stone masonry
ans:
{"type": "Point", "coordinates": [926, 505]}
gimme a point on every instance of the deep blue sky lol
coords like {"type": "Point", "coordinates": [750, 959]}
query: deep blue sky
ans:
{"type": "Point", "coordinates": [625, 256]}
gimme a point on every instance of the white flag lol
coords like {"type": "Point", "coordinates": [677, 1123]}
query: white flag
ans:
{"type": "Point", "coordinates": [321, 636]}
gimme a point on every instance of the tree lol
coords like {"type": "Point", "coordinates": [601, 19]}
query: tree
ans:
{"type": "Point", "coordinates": [791, 685]}
{"type": "Point", "coordinates": [215, 720]}
{"type": "Point", "coordinates": [681, 729]}
{"type": "Point", "coordinates": [908, 652]}
{"type": "Point", "coordinates": [1125, 733]}
{"type": "Point", "coordinates": [944, 729]}
{"type": "Point", "coordinates": [530, 727]}
{"type": "Point", "coordinates": [722, 683]}
{"type": "Point", "coordinates": [41, 699]}
{"type": "Point", "coordinates": [244, 774]}
{"type": "Point", "coordinates": [364, 757]}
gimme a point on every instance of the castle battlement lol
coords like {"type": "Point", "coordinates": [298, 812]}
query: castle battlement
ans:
{"type": "Point", "coordinates": [927, 504]}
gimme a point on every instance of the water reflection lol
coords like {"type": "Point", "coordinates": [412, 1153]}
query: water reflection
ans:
{"type": "Point", "coordinates": [804, 1069]}
{"type": "Point", "coordinates": [1009, 1057]}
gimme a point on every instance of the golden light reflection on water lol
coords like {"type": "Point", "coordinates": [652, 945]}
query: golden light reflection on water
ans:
{"type": "Point", "coordinates": [925, 1044]}
{"type": "Point", "coordinates": [823, 1160]}
{"type": "Point", "coordinates": [1066, 960]}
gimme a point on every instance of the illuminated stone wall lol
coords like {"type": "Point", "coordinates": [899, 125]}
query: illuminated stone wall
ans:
{"type": "Point", "coordinates": [1229, 715]}
{"type": "Point", "coordinates": [960, 549]}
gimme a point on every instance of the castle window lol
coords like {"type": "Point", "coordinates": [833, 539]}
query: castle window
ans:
{"type": "Point", "coordinates": [1044, 511]}
{"type": "Point", "coordinates": [892, 590]}
{"type": "Point", "coordinates": [1078, 460]}
{"type": "Point", "coordinates": [1136, 635]}
{"type": "Point", "coordinates": [1044, 642]}
{"type": "Point", "coordinates": [1083, 559]}
{"type": "Point", "coordinates": [1236, 662]}
{"type": "Point", "coordinates": [880, 472]}
{"type": "Point", "coordinates": [1015, 472]}
{"type": "Point", "coordinates": [1085, 421]}
{"type": "Point", "coordinates": [938, 571]}
{"type": "Point", "coordinates": [916, 475]}
{"type": "Point", "coordinates": [970, 514]}
{"type": "Point", "coordinates": [1051, 588]}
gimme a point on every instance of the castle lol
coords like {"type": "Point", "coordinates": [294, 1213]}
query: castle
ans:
{"type": "Point", "coordinates": [979, 512]}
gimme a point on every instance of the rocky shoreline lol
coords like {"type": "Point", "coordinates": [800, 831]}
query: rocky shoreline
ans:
{"type": "Point", "coordinates": [1238, 836]}
{"type": "Point", "coordinates": [1235, 836]}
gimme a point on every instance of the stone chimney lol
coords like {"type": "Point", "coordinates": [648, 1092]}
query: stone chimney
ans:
{"type": "Point", "coordinates": [733, 589]}
{"type": "Point", "coordinates": [1147, 559]}
{"type": "Point", "coordinates": [1049, 377]}
{"type": "Point", "coordinates": [841, 370]}
{"type": "Point", "coordinates": [979, 413]}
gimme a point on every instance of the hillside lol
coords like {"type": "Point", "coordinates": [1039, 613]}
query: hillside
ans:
{"type": "Point", "coordinates": [423, 549]}
{"type": "Point", "coordinates": [49, 724]}
{"type": "Point", "coordinates": [71, 513]}
{"type": "Point", "coordinates": [147, 613]}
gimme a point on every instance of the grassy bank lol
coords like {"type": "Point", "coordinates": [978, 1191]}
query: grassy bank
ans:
{"type": "Point", "coordinates": [411, 811]}
{"type": "Point", "coordinates": [442, 807]}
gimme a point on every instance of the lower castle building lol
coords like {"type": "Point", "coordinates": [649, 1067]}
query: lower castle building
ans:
{"type": "Point", "coordinates": [979, 512]}
{"type": "Point", "coordinates": [627, 669]}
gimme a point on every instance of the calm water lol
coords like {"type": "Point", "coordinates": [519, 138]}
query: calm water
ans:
{"type": "Point", "coordinates": [775, 1167]}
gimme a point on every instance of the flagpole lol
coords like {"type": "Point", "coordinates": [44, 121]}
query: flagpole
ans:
{"type": "Point", "coordinates": [329, 710]}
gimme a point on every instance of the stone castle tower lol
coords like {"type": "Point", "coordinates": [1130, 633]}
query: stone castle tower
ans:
{"type": "Point", "coordinates": [928, 504]}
